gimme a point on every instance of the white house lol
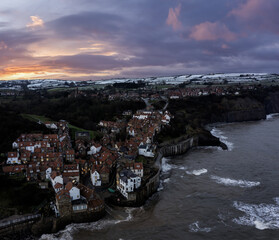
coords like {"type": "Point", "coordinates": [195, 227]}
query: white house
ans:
{"type": "Point", "coordinates": [15, 145]}
{"type": "Point", "coordinates": [132, 132]}
{"type": "Point", "coordinates": [96, 179]}
{"type": "Point", "coordinates": [30, 147]}
{"type": "Point", "coordinates": [146, 150]}
{"type": "Point", "coordinates": [48, 173]}
{"type": "Point", "coordinates": [55, 178]}
{"type": "Point", "coordinates": [128, 182]}
{"type": "Point", "coordinates": [51, 125]}
{"type": "Point", "coordinates": [73, 190]}
{"type": "Point", "coordinates": [166, 118]}
{"type": "Point", "coordinates": [13, 158]}
{"type": "Point", "coordinates": [95, 148]}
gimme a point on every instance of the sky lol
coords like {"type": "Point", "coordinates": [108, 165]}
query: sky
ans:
{"type": "Point", "coordinates": [102, 39]}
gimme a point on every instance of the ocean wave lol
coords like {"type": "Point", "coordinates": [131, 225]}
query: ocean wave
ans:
{"type": "Point", "coordinates": [261, 216]}
{"type": "Point", "coordinates": [209, 147]}
{"type": "Point", "coordinates": [235, 183]}
{"type": "Point", "coordinates": [271, 116]}
{"type": "Point", "coordinates": [219, 134]}
{"type": "Point", "coordinates": [197, 172]}
{"type": "Point", "coordinates": [166, 180]}
{"type": "Point", "coordinates": [70, 229]}
{"type": "Point", "coordinates": [166, 167]}
{"type": "Point", "coordinates": [194, 227]}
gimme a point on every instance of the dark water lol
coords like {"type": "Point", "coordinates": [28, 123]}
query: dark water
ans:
{"type": "Point", "coordinates": [208, 193]}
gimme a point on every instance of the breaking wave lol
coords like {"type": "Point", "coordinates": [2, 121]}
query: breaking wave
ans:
{"type": "Point", "coordinates": [197, 172]}
{"type": "Point", "coordinates": [261, 216]}
{"type": "Point", "coordinates": [166, 167]}
{"type": "Point", "coordinates": [219, 134]}
{"type": "Point", "coordinates": [235, 183]}
{"type": "Point", "coordinates": [271, 116]}
{"type": "Point", "coordinates": [194, 227]}
{"type": "Point", "coordinates": [68, 232]}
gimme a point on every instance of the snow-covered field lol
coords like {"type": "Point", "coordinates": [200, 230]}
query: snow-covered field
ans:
{"type": "Point", "coordinates": [172, 80]}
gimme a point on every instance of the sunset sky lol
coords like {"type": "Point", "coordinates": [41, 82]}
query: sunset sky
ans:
{"type": "Point", "coordinates": [100, 39]}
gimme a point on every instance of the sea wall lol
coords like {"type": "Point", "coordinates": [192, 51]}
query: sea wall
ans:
{"type": "Point", "coordinates": [179, 148]}
{"type": "Point", "coordinates": [53, 225]}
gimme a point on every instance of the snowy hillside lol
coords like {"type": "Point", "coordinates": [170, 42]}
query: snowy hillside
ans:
{"type": "Point", "coordinates": [173, 80]}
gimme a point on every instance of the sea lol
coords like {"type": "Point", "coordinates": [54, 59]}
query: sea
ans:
{"type": "Point", "coordinates": [208, 193]}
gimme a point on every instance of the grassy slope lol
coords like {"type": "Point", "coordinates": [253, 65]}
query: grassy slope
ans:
{"type": "Point", "coordinates": [73, 128]}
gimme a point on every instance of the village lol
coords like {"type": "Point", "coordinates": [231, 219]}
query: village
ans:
{"type": "Point", "coordinates": [83, 172]}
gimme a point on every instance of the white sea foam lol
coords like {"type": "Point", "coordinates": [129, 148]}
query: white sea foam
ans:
{"type": "Point", "coordinates": [166, 180]}
{"type": "Point", "coordinates": [166, 167]}
{"type": "Point", "coordinates": [219, 134]}
{"type": "Point", "coordinates": [194, 227]}
{"type": "Point", "coordinates": [197, 172]}
{"type": "Point", "coordinates": [182, 168]}
{"type": "Point", "coordinates": [161, 187]}
{"type": "Point", "coordinates": [235, 183]}
{"type": "Point", "coordinates": [70, 229]}
{"type": "Point", "coordinates": [261, 216]}
{"type": "Point", "coordinates": [271, 116]}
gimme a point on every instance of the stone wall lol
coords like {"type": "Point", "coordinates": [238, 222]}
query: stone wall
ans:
{"type": "Point", "coordinates": [179, 148]}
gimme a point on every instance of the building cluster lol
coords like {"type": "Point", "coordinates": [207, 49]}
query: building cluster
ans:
{"type": "Point", "coordinates": [50, 157]}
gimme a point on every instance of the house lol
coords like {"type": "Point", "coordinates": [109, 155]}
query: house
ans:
{"type": "Point", "coordinates": [13, 158]}
{"type": "Point", "coordinates": [25, 157]}
{"type": "Point", "coordinates": [95, 178]}
{"type": "Point", "coordinates": [82, 136]}
{"type": "Point", "coordinates": [104, 173]}
{"type": "Point", "coordinates": [138, 169]}
{"type": "Point", "coordinates": [58, 187]}
{"type": "Point", "coordinates": [71, 171]}
{"type": "Point", "coordinates": [128, 182]}
{"type": "Point", "coordinates": [70, 155]}
{"type": "Point", "coordinates": [51, 125]}
{"type": "Point", "coordinates": [73, 190]}
{"type": "Point", "coordinates": [146, 150]}
{"type": "Point", "coordinates": [63, 203]}
{"type": "Point", "coordinates": [95, 148]}
{"type": "Point", "coordinates": [48, 172]}
{"type": "Point", "coordinates": [166, 118]}
{"type": "Point", "coordinates": [56, 178]}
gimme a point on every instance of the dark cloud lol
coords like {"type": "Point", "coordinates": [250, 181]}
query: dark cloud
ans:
{"type": "Point", "coordinates": [211, 36]}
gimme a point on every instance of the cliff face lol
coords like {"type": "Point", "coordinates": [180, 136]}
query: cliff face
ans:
{"type": "Point", "coordinates": [272, 103]}
{"type": "Point", "coordinates": [239, 110]}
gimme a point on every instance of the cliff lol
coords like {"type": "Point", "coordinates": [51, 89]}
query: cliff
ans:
{"type": "Point", "coordinates": [239, 110]}
{"type": "Point", "coordinates": [271, 103]}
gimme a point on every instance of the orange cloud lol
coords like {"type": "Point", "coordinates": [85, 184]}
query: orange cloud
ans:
{"type": "Point", "coordinates": [3, 45]}
{"type": "Point", "coordinates": [36, 22]}
{"type": "Point", "coordinates": [211, 31]}
{"type": "Point", "coordinates": [172, 19]}
{"type": "Point", "coordinates": [41, 72]}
